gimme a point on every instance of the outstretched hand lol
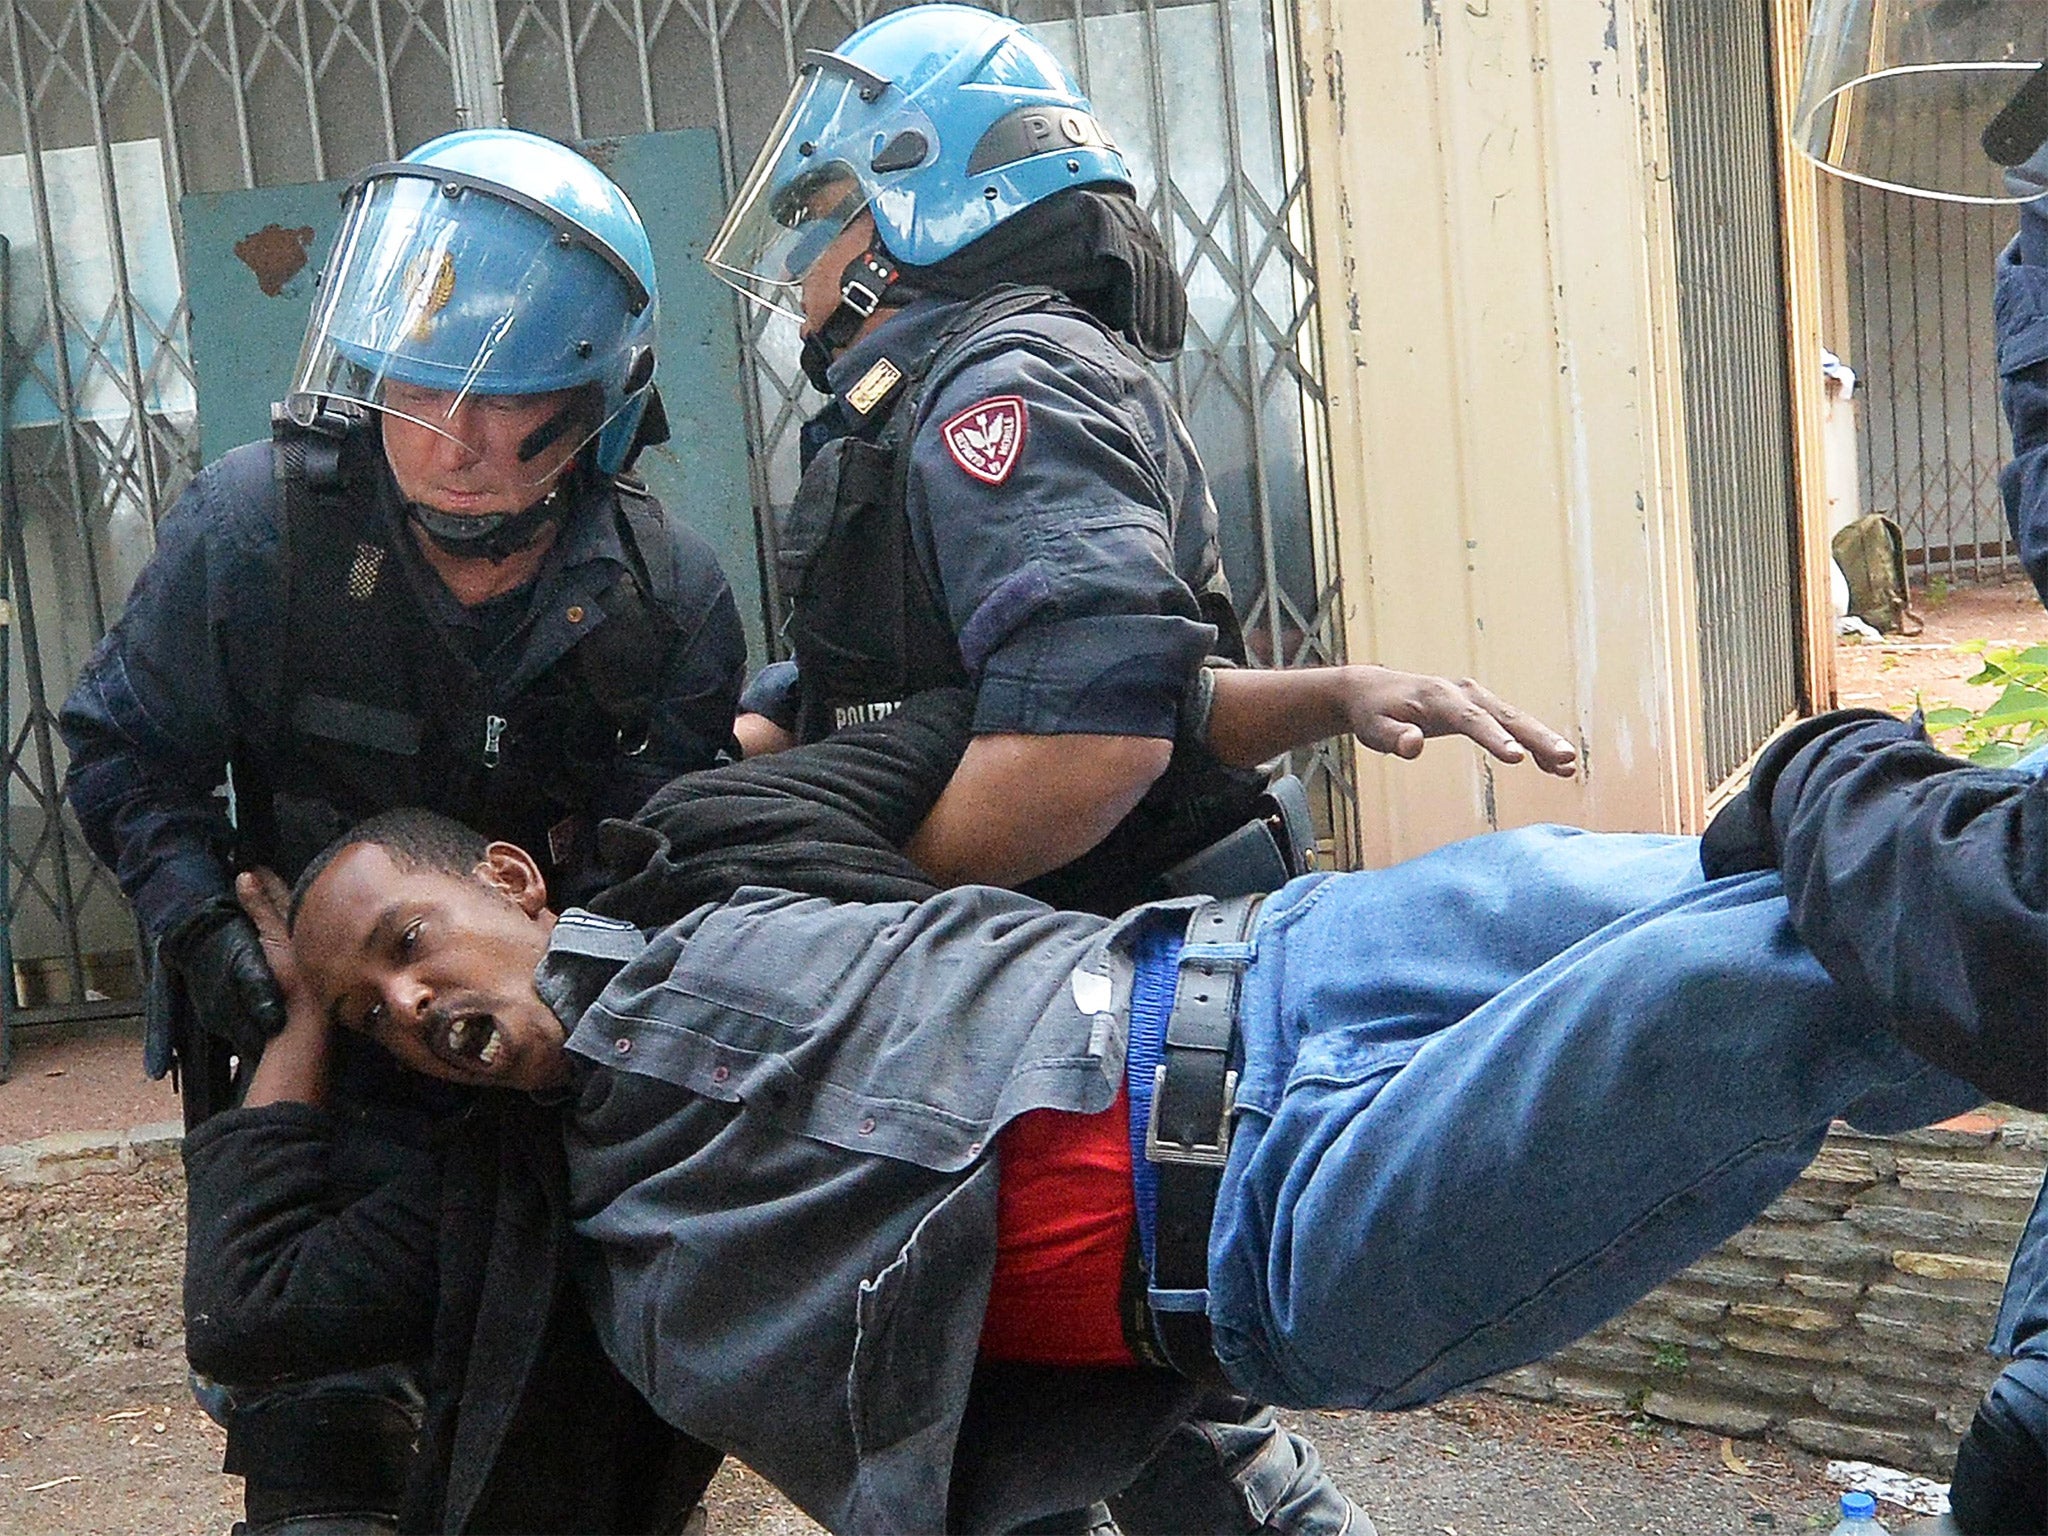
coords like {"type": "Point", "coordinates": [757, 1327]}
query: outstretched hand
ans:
{"type": "Point", "coordinates": [1396, 712]}
{"type": "Point", "coordinates": [1255, 714]}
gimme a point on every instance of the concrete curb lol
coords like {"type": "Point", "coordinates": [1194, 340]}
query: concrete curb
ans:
{"type": "Point", "coordinates": [68, 1155]}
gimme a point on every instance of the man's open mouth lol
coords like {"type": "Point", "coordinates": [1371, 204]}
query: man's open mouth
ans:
{"type": "Point", "coordinates": [473, 1037]}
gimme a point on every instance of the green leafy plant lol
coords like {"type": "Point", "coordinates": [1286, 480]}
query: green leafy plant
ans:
{"type": "Point", "coordinates": [2012, 724]}
{"type": "Point", "coordinates": [1671, 1360]}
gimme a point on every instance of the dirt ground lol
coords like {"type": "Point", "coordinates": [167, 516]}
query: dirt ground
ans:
{"type": "Point", "coordinates": [80, 1077]}
{"type": "Point", "coordinates": [1899, 672]}
{"type": "Point", "coordinates": [98, 1436]}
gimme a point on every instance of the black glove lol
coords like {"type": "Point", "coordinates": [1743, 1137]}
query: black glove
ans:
{"type": "Point", "coordinates": [227, 981]}
{"type": "Point", "coordinates": [1740, 840]}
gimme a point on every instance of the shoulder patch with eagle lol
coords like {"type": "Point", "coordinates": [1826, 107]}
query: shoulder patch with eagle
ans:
{"type": "Point", "coordinates": [987, 439]}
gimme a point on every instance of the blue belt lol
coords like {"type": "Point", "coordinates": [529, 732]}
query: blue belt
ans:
{"type": "Point", "coordinates": [1183, 1092]}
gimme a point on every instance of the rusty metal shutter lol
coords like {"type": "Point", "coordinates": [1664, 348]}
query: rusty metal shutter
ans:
{"type": "Point", "coordinates": [1738, 425]}
{"type": "Point", "coordinates": [1931, 435]}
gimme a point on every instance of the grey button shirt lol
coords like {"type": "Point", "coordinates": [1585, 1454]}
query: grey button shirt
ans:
{"type": "Point", "coordinates": [778, 1142]}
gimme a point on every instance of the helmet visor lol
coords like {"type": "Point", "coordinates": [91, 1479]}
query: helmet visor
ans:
{"type": "Point", "coordinates": [1937, 98]}
{"type": "Point", "coordinates": [813, 177]}
{"type": "Point", "coordinates": [436, 308]}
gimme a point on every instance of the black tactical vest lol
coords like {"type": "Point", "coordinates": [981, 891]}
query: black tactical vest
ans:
{"type": "Point", "coordinates": [868, 631]}
{"type": "Point", "coordinates": [379, 707]}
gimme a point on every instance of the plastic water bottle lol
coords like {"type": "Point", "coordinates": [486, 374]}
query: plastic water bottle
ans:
{"type": "Point", "coordinates": [1859, 1517]}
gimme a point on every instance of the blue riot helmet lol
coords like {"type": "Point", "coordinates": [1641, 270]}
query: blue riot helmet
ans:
{"type": "Point", "coordinates": [943, 120]}
{"type": "Point", "coordinates": [488, 262]}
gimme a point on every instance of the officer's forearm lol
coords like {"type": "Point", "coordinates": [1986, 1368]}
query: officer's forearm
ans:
{"type": "Point", "coordinates": [1258, 715]}
{"type": "Point", "coordinates": [1019, 805]}
{"type": "Point", "coordinates": [160, 839]}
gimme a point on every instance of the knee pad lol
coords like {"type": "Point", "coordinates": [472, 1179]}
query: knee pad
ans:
{"type": "Point", "coordinates": [2000, 1486]}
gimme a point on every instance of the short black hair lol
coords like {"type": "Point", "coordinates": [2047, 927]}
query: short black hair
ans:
{"type": "Point", "coordinates": [415, 838]}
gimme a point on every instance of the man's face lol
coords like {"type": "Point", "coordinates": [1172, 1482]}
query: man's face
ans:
{"type": "Point", "coordinates": [468, 461]}
{"type": "Point", "coordinates": [821, 278]}
{"type": "Point", "coordinates": [436, 968]}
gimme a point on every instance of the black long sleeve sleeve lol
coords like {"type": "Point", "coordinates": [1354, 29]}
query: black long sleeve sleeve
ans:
{"type": "Point", "coordinates": [1923, 881]}
{"type": "Point", "coordinates": [826, 819]}
{"type": "Point", "coordinates": [287, 1277]}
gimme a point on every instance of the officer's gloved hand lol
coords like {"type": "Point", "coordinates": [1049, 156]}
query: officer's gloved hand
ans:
{"type": "Point", "coordinates": [1738, 840]}
{"type": "Point", "coordinates": [1741, 840]}
{"type": "Point", "coordinates": [227, 980]}
{"type": "Point", "coordinates": [2031, 180]}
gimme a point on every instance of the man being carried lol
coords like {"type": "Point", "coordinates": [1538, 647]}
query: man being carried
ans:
{"type": "Point", "coordinates": [878, 1160]}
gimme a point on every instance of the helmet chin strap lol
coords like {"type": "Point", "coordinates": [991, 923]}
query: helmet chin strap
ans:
{"type": "Point", "coordinates": [492, 536]}
{"type": "Point", "coordinates": [871, 281]}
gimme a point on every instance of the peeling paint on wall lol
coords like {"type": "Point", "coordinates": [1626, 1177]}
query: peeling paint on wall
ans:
{"type": "Point", "coordinates": [275, 255]}
{"type": "Point", "coordinates": [1460, 134]}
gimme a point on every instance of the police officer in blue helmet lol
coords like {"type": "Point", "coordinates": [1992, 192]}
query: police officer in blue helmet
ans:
{"type": "Point", "coordinates": [999, 493]}
{"type": "Point", "coordinates": [438, 584]}
{"type": "Point", "coordinates": [487, 273]}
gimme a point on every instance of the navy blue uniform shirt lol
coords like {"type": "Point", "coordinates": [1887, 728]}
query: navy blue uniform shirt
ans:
{"type": "Point", "coordinates": [2021, 306]}
{"type": "Point", "coordinates": [1069, 583]}
{"type": "Point", "coordinates": [1921, 882]}
{"type": "Point", "coordinates": [186, 670]}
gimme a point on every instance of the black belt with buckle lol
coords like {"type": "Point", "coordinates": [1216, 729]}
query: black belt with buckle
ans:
{"type": "Point", "coordinates": [1187, 1133]}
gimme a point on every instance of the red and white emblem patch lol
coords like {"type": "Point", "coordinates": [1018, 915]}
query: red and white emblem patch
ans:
{"type": "Point", "coordinates": [987, 439]}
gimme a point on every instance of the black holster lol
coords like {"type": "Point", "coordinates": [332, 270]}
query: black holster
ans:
{"type": "Point", "coordinates": [1263, 854]}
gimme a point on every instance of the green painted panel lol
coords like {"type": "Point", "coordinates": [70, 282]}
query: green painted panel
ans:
{"type": "Point", "coordinates": [250, 260]}
{"type": "Point", "coordinates": [701, 471]}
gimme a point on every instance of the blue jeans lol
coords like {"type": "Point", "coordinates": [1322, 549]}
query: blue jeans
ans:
{"type": "Point", "coordinates": [1493, 1095]}
{"type": "Point", "coordinates": [2022, 1325]}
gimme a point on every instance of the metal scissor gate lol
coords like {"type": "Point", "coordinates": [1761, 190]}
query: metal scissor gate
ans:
{"type": "Point", "coordinates": [117, 111]}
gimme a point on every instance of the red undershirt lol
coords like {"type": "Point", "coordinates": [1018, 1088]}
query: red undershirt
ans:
{"type": "Point", "coordinates": [1064, 1210]}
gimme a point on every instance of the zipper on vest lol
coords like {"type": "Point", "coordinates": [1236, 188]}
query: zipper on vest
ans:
{"type": "Point", "coordinates": [494, 727]}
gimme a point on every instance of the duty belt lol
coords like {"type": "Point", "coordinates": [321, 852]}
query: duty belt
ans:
{"type": "Point", "coordinates": [1187, 1132]}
